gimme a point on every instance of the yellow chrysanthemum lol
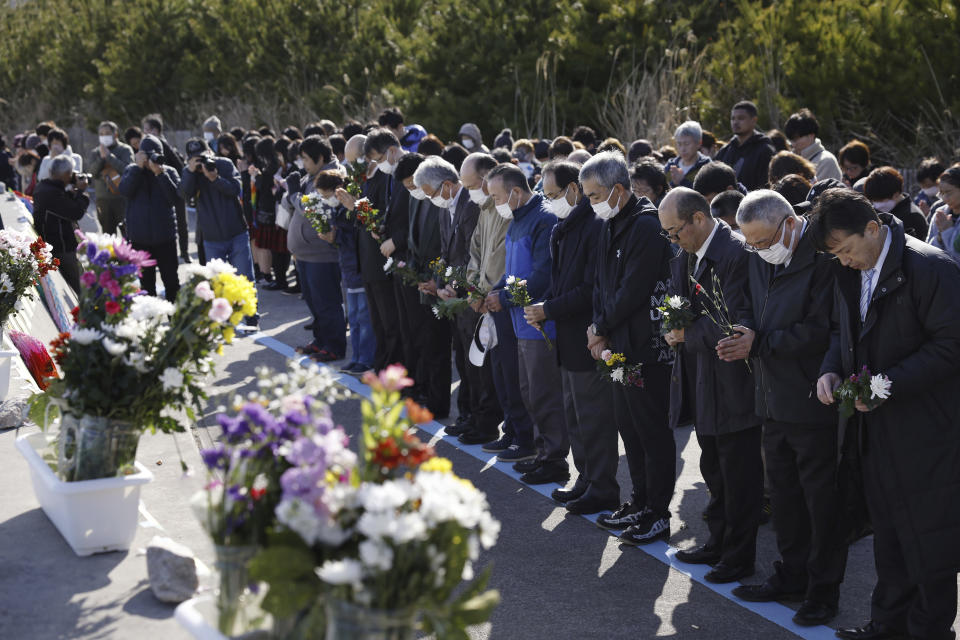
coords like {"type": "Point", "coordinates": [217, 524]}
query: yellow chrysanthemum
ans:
{"type": "Point", "coordinates": [228, 334]}
{"type": "Point", "coordinates": [305, 199]}
{"type": "Point", "coordinates": [236, 317]}
{"type": "Point", "coordinates": [238, 291]}
{"type": "Point", "coordinates": [615, 359]}
{"type": "Point", "coordinates": [443, 465]}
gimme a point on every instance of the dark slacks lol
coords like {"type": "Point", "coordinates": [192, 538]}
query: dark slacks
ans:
{"type": "Point", "coordinates": [481, 396]}
{"type": "Point", "coordinates": [505, 369]}
{"type": "Point", "coordinates": [926, 610]}
{"type": "Point", "coordinates": [802, 468]}
{"type": "Point", "coordinates": [320, 283]}
{"type": "Point", "coordinates": [383, 317]}
{"type": "Point", "coordinates": [166, 256]}
{"type": "Point", "coordinates": [592, 431]}
{"type": "Point", "coordinates": [430, 342]}
{"type": "Point", "coordinates": [651, 451]}
{"type": "Point", "coordinates": [405, 298]}
{"type": "Point", "coordinates": [542, 394]}
{"type": "Point", "coordinates": [731, 467]}
{"type": "Point", "coordinates": [183, 231]}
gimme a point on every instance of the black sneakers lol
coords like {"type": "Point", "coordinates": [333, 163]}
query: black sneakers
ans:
{"type": "Point", "coordinates": [649, 527]}
{"type": "Point", "coordinates": [627, 515]}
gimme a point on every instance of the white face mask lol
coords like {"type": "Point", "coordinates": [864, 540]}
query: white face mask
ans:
{"type": "Point", "coordinates": [209, 136]}
{"type": "Point", "coordinates": [331, 201]}
{"type": "Point", "coordinates": [603, 209]}
{"type": "Point", "coordinates": [386, 166]}
{"type": "Point", "coordinates": [299, 163]}
{"type": "Point", "coordinates": [467, 142]}
{"type": "Point", "coordinates": [560, 207]}
{"type": "Point", "coordinates": [418, 194]}
{"type": "Point", "coordinates": [885, 206]}
{"type": "Point", "coordinates": [439, 201]}
{"type": "Point", "coordinates": [106, 140]}
{"type": "Point", "coordinates": [778, 253]}
{"type": "Point", "coordinates": [931, 192]}
{"type": "Point", "coordinates": [504, 209]}
{"type": "Point", "coordinates": [55, 150]}
{"type": "Point", "coordinates": [477, 196]}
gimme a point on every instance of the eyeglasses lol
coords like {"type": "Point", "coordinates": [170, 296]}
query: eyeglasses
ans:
{"type": "Point", "coordinates": [776, 234]}
{"type": "Point", "coordinates": [675, 235]}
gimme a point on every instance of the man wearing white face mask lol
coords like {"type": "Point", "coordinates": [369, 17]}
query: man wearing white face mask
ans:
{"type": "Point", "coordinates": [633, 271]}
{"type": "Point", "coordinates": [528, 258]}
{"type": "Point", "coordinates": [587, 398]}
{"type": "Point", "coordinates": [107, 162]}
{"type": "Point", "coordinates": [471, 139]}
{"type": "Point", "coordinates": [791, 293]}
{"type": "Point", "coordinates": [487, 265]}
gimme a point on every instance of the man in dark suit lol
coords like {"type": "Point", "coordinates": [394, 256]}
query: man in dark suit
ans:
{"type": "Point", "coordinates": [431, 334]}
{"type": "Point", "coordinates": [790, 288]}
{"type": "Point", "coordinates": [477, 397]}
{"type": "Point", "coordinates": [897, 301]}
{"type": "Point", "coordinates": [587, 397]}
{"type": "Point", "coordinates": [719, 393]}
{"type": "Point", "coordinates": [633, 270]}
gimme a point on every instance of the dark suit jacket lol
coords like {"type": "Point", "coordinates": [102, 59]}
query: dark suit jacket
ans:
{"type": "Point", "coordinates": [573, 250]}
{"type": "Point", "coordinates": [455, 234]}
{"type": "Point", "coordinates": [396, 223]}
{"type": "Point", "coordinates": [911, 334]}
{"type": "Point", "coordinates": [723, 399]}
{"type": "Point", "coordinates": [376, 189]}
{"type": "Point", "coordinates": [423, 237]}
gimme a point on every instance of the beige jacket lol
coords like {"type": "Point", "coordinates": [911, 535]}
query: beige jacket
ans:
{"type": "Point", "coordinates": [825, 162]}
{"type": "Point", "coordinates": [488, 250]}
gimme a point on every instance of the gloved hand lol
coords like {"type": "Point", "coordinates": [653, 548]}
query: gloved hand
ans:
{"type": "Point", "coordinates": [293, 182]}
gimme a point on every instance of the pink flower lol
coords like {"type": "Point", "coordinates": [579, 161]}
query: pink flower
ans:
{"type": "Point", "coordinates": [89, 278]}
{"type": "Point", "coordinates": [114, 288]}
{"type": "Point", "coordinates": [393, 378]}
{"type": "Point", "coordinates": [203, 291]}
{"type": "Point", "coordinates": [605, 354]}
{"type": "Point", "coordinates": [220, 310]}
{"type": "Point", "coordinates": [105, 278]}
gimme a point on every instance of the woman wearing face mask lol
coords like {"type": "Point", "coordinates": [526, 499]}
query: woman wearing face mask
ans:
{"type": "Point", "coordinates": [471, 139]}
{"type": "Point", "coordinates": [884, 189]}
{"type": "Point", "coordinates": [944, 230]}
{"type": "Point", "coordinates": [59, 143]}
{"type": "Point", "coordinates": [569, 303]}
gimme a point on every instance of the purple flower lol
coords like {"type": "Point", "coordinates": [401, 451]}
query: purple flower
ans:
{"type": "Point", "coordinates": [89, 278]}
{"type": "Point", "coordinates": [301, 481]}
{"type": "Point", "coordinates": [234, 429]}
{"type": "Point", "coordinates": [215, 457]}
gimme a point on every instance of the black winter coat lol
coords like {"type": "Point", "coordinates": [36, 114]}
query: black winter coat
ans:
{"type": "Point", "coordinates": [911, 334]}
{"type": "Point", "coordinates": [56, 213]}
{"type": "Point", "coordinates": [376, 189]}
{"type": "Point", "coordinates": [573, 252]}
{"type": "Point", "coordinates": [396, 224]}
{"type": "Point", "coordinates": [791, 314]}
{"type": "Point", "coordinates": [751, 160]}
{"type": "Point", "coordinates": [724, 391]}
{"type": "Point", "coordinates": [914, 222]}
{"type": "Point", "coordinates": [633, 270]}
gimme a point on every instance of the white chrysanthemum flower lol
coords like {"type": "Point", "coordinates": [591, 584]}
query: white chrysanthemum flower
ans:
{"type": "Point", "coordinates": [448, 272]}
{"type": "Point", "coordinates": [675, 302]}
{"type": "Point", "coordinates": [171, 378]}
{"type": "Point", "coordinates": [150, 307]}
{"type": "Point", "coordinates": [617, 375]}
{"type": "Point", "coordinates": [300, 518]}
{"type": "Point", "coordinates": [338, 572]}
{"type": "Point", "coordinates": [6, 284]}
{"type": "Point", "coordinates": [218, 266]}
{"type": "Point", "coordinates": [436, 311]}
{"type": "Point", "coordinates": [187, 272]}
{"type": "Point", "coordinates": [376, 555]}
{"type": "Point", "coordinates": [114, 347]}
{"type": "Point", "coordinates": [388, 264]}
{"type": "Point", "coordinates": [388, 496]}
{"type": "Point", "coordinates": [880, 387]}
{"type": "Point", "coordinates": [511, 279]}
{"type": "Point", "coordinates": [85, 336]}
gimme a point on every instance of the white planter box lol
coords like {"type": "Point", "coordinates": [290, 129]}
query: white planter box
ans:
{"type": "Point", "coordinates": [93, 516]}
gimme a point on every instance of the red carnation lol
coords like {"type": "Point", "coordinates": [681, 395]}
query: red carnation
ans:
{"type": "Point", "coordinates": [112, 307]}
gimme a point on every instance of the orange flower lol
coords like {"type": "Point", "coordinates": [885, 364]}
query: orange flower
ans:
{"type": "Point", "coordinates": [417, 413]}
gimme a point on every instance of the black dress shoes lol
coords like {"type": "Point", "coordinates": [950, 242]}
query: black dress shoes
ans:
{"type": "Point", "coordinates": [699, 555]}
{"type": "Point", "coordinates": [526, 466]}
{"type": "Point", "coordinates": [476, 437]}
{"type": "Point", "coordinates": [767, 592]}
{"type": "Point", "coordinates": [723, 573]}
{"type": "Point", "coordinates": [588, 504]}
{"type": "Point", "coordinates": [547, 474]}
{"type": "Point", "coordinates": [871, 631]}
{"type": "Point", "coordinates": [563, 496]}
{"type": "Point", "coordinates": [812, 613]}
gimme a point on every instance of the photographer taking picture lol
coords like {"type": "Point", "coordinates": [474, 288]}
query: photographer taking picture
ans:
{"type": "Point", "coordinates": [59, 202]}
{"type": "Point", "coordinates": [150, 187]}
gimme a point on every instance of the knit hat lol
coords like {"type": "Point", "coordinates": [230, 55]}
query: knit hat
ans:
{"type": "Point", "coordinates": [150, 144]}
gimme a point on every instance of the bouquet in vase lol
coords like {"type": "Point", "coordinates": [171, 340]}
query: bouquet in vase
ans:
{"type": "Point", "coordinates": [23, 261]}
{"type": "Point", "coordinates": [614, 367]}
{"type": "Point", "coordinates": [317, 213]}
{"type": "Point", "coordinates": [517, 290]}
{"type": "Point", "coordinates": [367, 217]}
{"type": "Point", "coordinates": [399, 536]}
{"type": "Point", "coordinates": [676, 313]}
{"type": "Point", "coordinates": [132, 361]}
{"type": "Point", "coordinates": [869, 389]}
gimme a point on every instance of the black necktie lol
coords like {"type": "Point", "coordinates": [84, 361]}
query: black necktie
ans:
{"type": "Point", "coordinates": [691, 265]}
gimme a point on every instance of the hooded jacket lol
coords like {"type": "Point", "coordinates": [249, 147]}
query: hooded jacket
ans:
{"type": "Point", "coordinates": [751, 160]}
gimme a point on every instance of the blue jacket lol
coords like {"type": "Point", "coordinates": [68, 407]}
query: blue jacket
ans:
{"type": "Point", "coordinates": [347, 236]}
{"type": "Point", "coordinates": [219, 212]}
{"type": "Point", "coordinates": [151, 218]}
{"type": "Point", "coordinates": [528, 258]}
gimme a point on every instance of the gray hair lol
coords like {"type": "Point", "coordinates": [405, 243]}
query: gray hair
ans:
{"type": "Point", "coordinates": [607, 168]}
{"type": "Point", "coordinates": [690, 129]}
{"type": "Point", "coordinates": [62, 165]}
{"type": "Point", "coordinates": [763, 205]}
{"type": "Point", "coordinates": [435, 171]}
